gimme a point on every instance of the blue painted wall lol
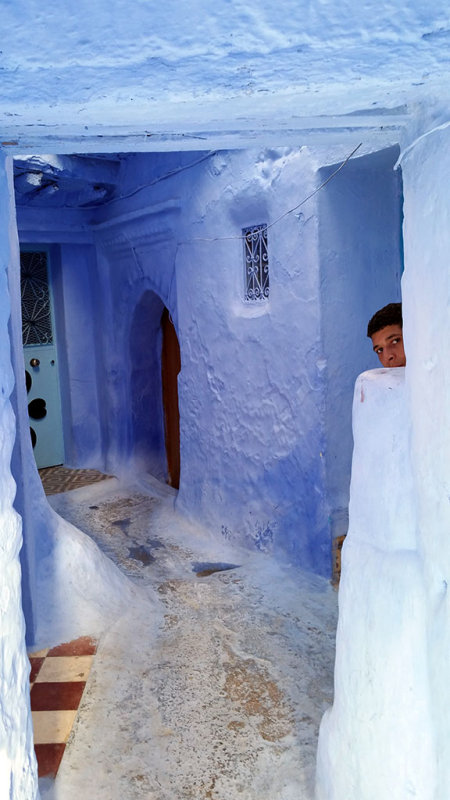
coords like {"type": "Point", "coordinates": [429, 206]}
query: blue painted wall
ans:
{"type": "Point", "coordinates": [360, 214]}
{"type": "Point", "coordinates": [251, 392]}
{"type": "Point", "coordinates": [264, 389]}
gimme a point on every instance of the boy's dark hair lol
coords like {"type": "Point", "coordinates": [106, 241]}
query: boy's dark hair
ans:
{"type": "Point", "coordinates": [389, 315]}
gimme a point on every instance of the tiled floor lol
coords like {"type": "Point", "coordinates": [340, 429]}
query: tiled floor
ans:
{"type": "Point", "coordinates": [58, 677]}
{"type": "Point", "coordinates": [62, 479]}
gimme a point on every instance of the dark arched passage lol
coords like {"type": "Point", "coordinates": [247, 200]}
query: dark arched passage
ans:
{"type": "Point", "coordinates": [154, 367]}
{"type": "Point", "coordinates": [147, 417]}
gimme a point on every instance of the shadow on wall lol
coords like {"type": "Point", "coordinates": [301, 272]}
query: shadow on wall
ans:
{"type": "Point", "coordinates": [147, 414]}
{"type": "Point", "coordinates": [361, 260]}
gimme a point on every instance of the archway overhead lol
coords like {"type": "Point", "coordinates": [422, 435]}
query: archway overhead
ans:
{"type": "Point", "coordinates": [374, 131]}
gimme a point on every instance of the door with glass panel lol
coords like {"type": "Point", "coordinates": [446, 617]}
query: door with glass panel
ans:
{"type": "Point", "coordinates": [41, 357]}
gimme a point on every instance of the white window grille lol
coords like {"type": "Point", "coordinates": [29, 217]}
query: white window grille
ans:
{"type": "Point", "coordinates": [256, 259]}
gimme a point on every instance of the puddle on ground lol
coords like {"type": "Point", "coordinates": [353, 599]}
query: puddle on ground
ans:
{"type": "Point", "coordinates": [155, 544]}
{"type": "Point", "coordinates": [139, 553]}
{"type": "Point", "coordinates": [205, 568]}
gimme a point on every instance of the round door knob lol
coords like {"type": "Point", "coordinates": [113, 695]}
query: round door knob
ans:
{"type": "Point", "coordinates": [34, 362]}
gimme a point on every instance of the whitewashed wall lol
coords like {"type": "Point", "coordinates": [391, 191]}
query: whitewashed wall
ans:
{"type": "Point", "coordinates": [377, 740]}
{"type": "Point", "coordinates": [426, 293]}
{"type": "Point", "coordinates": [18, 773]}
{"type": "Point", "coordinates": [388, 732]}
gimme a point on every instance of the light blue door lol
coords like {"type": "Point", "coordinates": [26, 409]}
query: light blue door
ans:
{"type": "Point", "coordinates": [41, 357]}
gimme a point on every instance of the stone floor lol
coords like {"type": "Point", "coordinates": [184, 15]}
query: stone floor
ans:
{"type": "Point", "coordinates": [213, 684]}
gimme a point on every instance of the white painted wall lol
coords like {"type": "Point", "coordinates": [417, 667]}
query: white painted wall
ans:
{"type": "Point", "coordinates": [388, 732]}
{"type": "Point", "coordinates": [426, 293]}
{"type": "Point", "coordinates": [377, 740]}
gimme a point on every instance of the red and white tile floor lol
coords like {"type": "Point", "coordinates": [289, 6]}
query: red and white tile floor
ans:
{"type": "Point", "coordinates": [58, 677]}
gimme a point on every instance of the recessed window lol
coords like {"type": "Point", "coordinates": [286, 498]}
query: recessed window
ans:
{"type": "Point", "coordinates": [256, 259]}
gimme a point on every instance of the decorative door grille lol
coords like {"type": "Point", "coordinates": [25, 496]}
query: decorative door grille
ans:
{"type": "Point", "coordinates": [36, 316]}
{"type": "Point", "coordinates": [256, 263]}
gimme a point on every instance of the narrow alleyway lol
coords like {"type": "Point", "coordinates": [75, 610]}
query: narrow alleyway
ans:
{"type": "Point", "coordinates": [213, 685]}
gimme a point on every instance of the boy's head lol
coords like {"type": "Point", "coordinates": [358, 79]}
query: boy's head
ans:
{"type": "Point", "coordinates": [386, 331]}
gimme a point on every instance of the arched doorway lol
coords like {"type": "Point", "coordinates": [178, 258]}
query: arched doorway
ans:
{"type": "Point", "coordinates": [155, 363]}
{"type": "Point", "coordinates": [147, 414]}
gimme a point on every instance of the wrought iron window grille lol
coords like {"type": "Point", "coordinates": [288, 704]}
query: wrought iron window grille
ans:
{"type": "Point", "coordinates": [256, 259]}
{"type": "Point", "coordinates": [36, 316]}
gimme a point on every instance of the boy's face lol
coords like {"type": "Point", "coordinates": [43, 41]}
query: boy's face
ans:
{"type": "Point", "coordinates": [388, 345]}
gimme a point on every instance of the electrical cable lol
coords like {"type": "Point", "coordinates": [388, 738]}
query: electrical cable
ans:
{"type": "Point", "coordinates": [285, 214]}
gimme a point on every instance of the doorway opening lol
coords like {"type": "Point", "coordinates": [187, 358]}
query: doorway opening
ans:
{"type": "Point", "coordinates": [155, 363]}
{"type": "Point", "coordinates": [170, 367]}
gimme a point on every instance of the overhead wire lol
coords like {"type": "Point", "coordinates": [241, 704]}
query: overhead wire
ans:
{"type": "Point", "coordinates": [204, 157]}
{"type": "Point", "coordinates": [285, 214]}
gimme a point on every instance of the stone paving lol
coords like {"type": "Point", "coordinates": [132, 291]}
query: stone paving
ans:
{"type": "Point", "coordinates": [212, 686]}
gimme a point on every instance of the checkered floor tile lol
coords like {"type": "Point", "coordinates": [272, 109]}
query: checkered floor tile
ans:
{"type": "Point", "coordinates": [58, 677]}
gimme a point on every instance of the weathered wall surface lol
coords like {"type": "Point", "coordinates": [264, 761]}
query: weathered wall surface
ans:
{"type": "Point", "coordinates": [18, 774]}
{"type": "Point", "coordinates": [256, 429]}
{"type": "Point", "coordinates": [251, 384]}
{"type": "Point", "coordinates": [136, 262]}
{"type": "Point", "coordinates": [251, 389]}
{"type": "Point", "coordinates": [60, 598]}
{"type": "Point", "coordinates": [75, 300]}
{"type": "Point", "coordinates": [388, 731]}
{"type": "Point", "coordinates": [252, 444]}
{"type": "Point", "coordinates": [360, 268]}
{"type": "Point", "coordinates": [378, 739]}
{"type": "Point", "coordinates": [426, 294]}
{"type": "Point", "coordinates": [160, 72]}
